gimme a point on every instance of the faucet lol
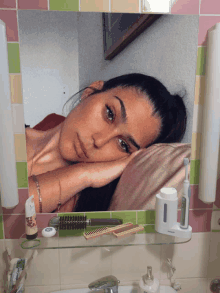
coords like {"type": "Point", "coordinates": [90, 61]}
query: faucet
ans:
{"type": "Point", "coordinates": [215, 286]}
{"type": "Point", "coordinates": [109, 284]}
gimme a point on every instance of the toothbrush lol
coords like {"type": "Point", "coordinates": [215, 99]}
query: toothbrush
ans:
{"type": "Point", "coordinates": [184, 222]}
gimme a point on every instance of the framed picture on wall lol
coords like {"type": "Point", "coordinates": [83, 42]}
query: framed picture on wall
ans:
{"type": "Point", "coordinates": [120, 29]}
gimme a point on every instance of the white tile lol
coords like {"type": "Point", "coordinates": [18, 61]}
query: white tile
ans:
{"type": "Point", "coordinates": [213, 266]}
{"type": "Point", "coordinates": [44, 269]}
{"type": "Point", "coordinates": [83, 265]}
{"type": "Point", "coordinates": [41, 289]}
{"type": "Point", "coordinates": [130, 263]}
{"type": "Point", "coordinates": [190, 259]}
{"type": "Point", "coordinates": [18, 118]}
{"type": "Point", "coordinates": [156, 6]}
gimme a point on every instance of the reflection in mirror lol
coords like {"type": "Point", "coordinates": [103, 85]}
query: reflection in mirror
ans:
{"type": "Point", "coordinates": [82, 148]}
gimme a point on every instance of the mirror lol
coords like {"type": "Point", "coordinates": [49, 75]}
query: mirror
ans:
{"type": "Point", "coordinates": [62, 53]}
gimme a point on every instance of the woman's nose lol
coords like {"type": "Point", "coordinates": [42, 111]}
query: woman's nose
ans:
{"type": "Point", "coordinates": [102, 138]}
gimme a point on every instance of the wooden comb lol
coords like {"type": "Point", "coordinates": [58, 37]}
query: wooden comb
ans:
{"type": "Point", "coordinates": [128, 231]}
{"type": "Point", "coordinates": [103, 231]}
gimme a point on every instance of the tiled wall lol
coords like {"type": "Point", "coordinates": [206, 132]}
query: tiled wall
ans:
{"type": "Point", "coordinates": [196, 261]}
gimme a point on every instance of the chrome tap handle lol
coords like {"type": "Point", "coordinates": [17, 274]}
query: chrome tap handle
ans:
{"type": "Point", "coordinates": [104, 283]}
{"type": "Point", "coordinates": [215, 286]}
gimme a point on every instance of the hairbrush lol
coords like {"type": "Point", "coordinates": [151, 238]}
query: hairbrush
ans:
{"type": "Point", "coordinates": [80, 222]}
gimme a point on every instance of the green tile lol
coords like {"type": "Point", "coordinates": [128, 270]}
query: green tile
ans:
{"type": "Point", "coordinates": [194, 171]}
{"type": "Point", "coordinates": [126, 216]}
{"type": "Point", "coordinates": [70, 214]}
{"type": "Point", "coordinates": [67, 5]}
{"type": "Point", "coordinates": [98, 215]}
{"type": "Point", "coordinates": [13, 58]}
{"type": "Point", "coordinates": [215, 230]}
{"type": "Point", "coordinates": [22, 174]}
{"type": "Point", "coordinates": [146, 217]}
{"type": "Point", "coordinates": [68, 233]}
{"type": "Point", "coordinates": [201, 60]}
{"type": "Point", "coordinates": [148, 229]}
{"type": "Point", "coordinates": [1, 228]}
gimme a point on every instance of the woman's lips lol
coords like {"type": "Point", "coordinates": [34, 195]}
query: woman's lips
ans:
{"type": "Point", "coordinates": [82, 150]}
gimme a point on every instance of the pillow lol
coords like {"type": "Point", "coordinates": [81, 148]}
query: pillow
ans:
{"type": "Point", "coordinates": [160, 165]}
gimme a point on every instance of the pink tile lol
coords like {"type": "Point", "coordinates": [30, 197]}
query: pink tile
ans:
{"type": "Point", "coordinates": [185, 7]}
{"type": "Point", "coordinates": [43, 220]}
{"type": "Point", "coordinates": [210, 7]}
{"type": "Point", "coordinates": [205, 23]}
{"type": "Point", "coordinates": [195, 202]}
{"type": "Point", "coordinates": [7, 3]}
{"type": "Point", "coordinates": [199, 220]}
{"type": "Point", "coordinates": [33, 4]}
{"type": "Point", "coordinates": [14, 226]}
{"type": "Point", "coordinates": [20, 208]}
{"type": "Point", "coordinates": [10, 19]}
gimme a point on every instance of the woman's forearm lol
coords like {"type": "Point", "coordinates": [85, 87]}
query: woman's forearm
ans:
{"type": "Point", "coordinates": [73, 179]}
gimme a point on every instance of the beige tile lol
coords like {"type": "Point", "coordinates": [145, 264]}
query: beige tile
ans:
{"type": "Point", "coordinates": [20, 147]}
{"type": "Point", "coordinates": [190, 285]}
{"type": "Point", "coordinates": [199, 90]}
{"type": "Point", "coordinates": [83, 265]}
{"type": "Point", "coordinates": [125, 6]}
{"type": "Point", "coordinates": [193, 285]}
{"type": "Point", "coordinates": [18, 118]}
{"type": "Point", "coordinates": [130, 263]}
{"type": "Point", "coordinates": [44, 269]}
{"type": "Point", "coordinates": [16, 89]}
{"type": "Point", "coordinates": [190, 259]}
{"type": "Point", "coordinates": [94, 5]}
{"type": "Point", "coordinates": [41, 289]}
{"type": "Point", "coordinates": [195, 146]}
{"type": "Point", "coordinates": [213, 266]}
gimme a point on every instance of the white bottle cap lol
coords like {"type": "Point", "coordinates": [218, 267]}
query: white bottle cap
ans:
{"type": "Point", "coordinates": [168, 193]}
{"type": "Point", "coordinates": [49, 232]}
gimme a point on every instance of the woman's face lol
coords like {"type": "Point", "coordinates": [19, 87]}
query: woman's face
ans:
{"type": "Point", "coordinates": [108, 126]}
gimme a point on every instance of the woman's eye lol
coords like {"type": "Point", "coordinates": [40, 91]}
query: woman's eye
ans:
{"type": "Point", "coordinates": [110, 114]}
{"type": "Point", "coordinates": [124, 146]}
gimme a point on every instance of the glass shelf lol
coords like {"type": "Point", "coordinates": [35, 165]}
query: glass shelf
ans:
{"type": "Point", "coordinates": [106, 241]}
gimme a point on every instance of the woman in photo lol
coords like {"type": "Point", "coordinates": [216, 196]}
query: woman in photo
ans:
{"type": "Point", "coordinates": [75, 164]}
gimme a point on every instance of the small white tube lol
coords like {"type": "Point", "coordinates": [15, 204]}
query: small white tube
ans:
{"type": "Point", "coordinates": [211, 119]}
{"type": "Point", "coordinates": [8, 173]}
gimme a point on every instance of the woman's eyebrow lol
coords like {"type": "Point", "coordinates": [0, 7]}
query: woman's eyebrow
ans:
{"type": "Point", "coordinates": [124, 119]}
{"type": "Point", "coordinates": [123, 111]}
{"type": "Point", "coordinates": [130, 138]}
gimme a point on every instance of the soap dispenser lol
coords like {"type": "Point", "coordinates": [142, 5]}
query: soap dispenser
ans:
{"type": "Point", "coordinates": [149, 284]}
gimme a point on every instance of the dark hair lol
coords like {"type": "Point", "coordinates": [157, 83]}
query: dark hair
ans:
{"type": "Point", "coordinates": [169, 108]}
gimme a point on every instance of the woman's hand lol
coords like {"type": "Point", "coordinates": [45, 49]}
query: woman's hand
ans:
{"type": "Point", "coordinates": [100, 174]}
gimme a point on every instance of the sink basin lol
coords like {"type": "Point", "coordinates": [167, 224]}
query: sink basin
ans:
{"type": "Point", "coordinates": [121, 289]}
